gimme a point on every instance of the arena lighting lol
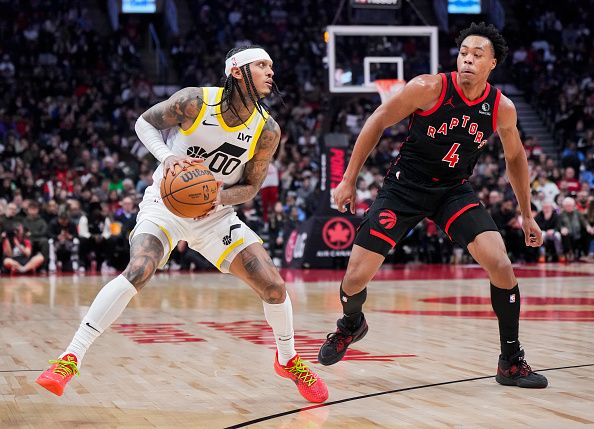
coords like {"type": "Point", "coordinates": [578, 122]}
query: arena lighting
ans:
{"type": "Point", "coordinates": [139, 6]}
{"type": "Point", "coordinates": [467, 7]}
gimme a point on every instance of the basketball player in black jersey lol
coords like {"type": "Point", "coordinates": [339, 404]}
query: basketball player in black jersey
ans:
{"type": "Point", "coordinates": [451, 117]}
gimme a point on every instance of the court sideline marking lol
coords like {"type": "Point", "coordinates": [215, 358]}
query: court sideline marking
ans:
{"type": "Point", "coordinates": [353, 398]}
{"type": "Point", "coordinates": [371, 395]}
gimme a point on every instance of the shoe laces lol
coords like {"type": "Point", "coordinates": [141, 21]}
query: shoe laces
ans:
{"type": "Point", "coordinates": [522, 368]}
{"type": "Point", "coordinates": [65, 367]}
{"type": "Point", "coordinates": [337, 337]}
{"type": "Point", "coordinates": [302, 372]}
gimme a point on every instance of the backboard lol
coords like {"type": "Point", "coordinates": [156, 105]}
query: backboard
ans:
{"type": "Point", "coordinates": [360, 54]}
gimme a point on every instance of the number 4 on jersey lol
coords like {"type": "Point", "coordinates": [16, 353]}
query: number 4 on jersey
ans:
{"type": "Point", "coordinates": [452, 157]}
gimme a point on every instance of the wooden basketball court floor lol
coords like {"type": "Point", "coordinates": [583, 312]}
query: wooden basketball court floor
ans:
{"type": "Point", "coordinates": [193, 350]}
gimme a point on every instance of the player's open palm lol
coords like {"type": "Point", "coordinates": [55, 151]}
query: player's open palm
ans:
{"type": "Point", "coordinates": [345, 193]}
{"type": "Point", "coordinates": [181, 161]}
{"type": "Point", "coordinates": [532, 233]}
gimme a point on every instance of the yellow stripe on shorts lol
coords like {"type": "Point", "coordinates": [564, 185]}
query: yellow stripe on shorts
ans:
{"type": "Point", "coordinates": [227, 251]}
{"type": "Point", "coordinates": [168, 238]}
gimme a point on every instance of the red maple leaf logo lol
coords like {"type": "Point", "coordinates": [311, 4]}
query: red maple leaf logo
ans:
{"type": "Point", "coordinates": [338, 234]}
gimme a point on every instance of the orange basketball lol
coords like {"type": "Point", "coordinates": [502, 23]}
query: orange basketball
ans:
{"type": "Point", "coordinates": [190, 192]}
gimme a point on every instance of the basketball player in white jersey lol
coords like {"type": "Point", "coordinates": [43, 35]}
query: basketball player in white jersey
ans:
{"type": "Point", "coordinates": [230, 131]}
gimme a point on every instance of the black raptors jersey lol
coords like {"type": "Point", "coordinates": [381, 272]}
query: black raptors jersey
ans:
{"type": "Point", "coordinates": [444, 143]}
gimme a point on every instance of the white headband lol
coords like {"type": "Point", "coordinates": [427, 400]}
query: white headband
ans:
{"type": "Point", "coordinates": [245, 57]}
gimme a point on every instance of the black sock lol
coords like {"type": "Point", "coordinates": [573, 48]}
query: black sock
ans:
{"type": "Point", "coordinates": [506, 304]}
{"type": "Point", "coordinates": [352, 307]}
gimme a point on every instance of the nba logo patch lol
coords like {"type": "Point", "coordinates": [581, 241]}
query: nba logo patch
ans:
{"type": "Point", "coordinates": [512, 298]}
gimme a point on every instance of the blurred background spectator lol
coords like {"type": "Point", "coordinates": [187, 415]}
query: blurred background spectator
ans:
{"type": "Point", "coordinates": [17, 251]}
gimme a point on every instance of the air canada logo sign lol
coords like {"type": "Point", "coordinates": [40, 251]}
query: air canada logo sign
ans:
{"type": "Point", "coordinates": [290, 246]}
{"type": "Point", "coordinates": [338, 233]}
{"type": "Point", "coordinates": [295, 247]}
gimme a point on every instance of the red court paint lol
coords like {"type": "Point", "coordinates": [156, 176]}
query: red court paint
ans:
{"type": "Point", "coordinates": [528, 300]}
{"type": "Point", "coordinates": [425, 272]}
{"type": "Point", "coordinates": [258, 332]}
{"type": "Point", "coordinates": [529, 312]}
{"type": "Point", "coordinates": [550, 315]}
{"type": "Point", "coordinates": [151, 333]}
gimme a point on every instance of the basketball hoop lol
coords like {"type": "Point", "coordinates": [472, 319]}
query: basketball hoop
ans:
{"type": "Point", "coordinates": [388, 87]}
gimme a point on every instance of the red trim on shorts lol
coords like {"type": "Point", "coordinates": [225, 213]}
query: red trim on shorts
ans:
{"type": "Point", "coordinates": [457, 215]}
{"type": "Point", "coordinates": [444, 87]}
{"type": "Point", "coordinates": [382, 236]}
{"type": "Point", "coordinates": [495, 110]}
{"type": "Point", "coordinates": [463, 97]}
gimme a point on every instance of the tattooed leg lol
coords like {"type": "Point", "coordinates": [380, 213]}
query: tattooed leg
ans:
{"type": "Point", "coordinates": [254, 266]}
{"type": "Point", "coordinates": [146, 251]}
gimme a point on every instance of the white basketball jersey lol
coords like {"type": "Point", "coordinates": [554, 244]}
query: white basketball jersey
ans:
{"type": "Point", "coordinates": [225, 149]}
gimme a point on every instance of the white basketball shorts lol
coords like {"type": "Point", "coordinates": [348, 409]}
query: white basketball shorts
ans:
{"type": "Point", "coordinates": [218, 237]}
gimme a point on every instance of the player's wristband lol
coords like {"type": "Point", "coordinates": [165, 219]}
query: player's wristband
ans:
{"type": "Point", "coordinates": [152, 139]}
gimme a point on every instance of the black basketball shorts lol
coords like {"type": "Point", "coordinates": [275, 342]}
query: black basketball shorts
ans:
{"type": "Point", "coordinates": [406, 199]}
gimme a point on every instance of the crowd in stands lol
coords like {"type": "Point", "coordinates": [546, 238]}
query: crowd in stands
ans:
{"type": "Point", "coordinates": [72, 171]}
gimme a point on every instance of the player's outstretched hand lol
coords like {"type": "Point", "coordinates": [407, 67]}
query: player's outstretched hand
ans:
{"type": "Point", "coordinates": [345, 193]}
{"type": "Point", "coordinates": [532, 233]}
{"type": "Point", "coordinates": [180, 161]}
{"type": "Point", "coordinates": [215, 203]}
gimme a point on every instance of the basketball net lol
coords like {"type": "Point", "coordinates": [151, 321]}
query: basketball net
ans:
{"type": "Point", "coordinates": [388, 87]}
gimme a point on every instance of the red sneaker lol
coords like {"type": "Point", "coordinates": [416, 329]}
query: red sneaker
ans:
{"type": "Point", "coordinates": [56, 376]}
{"type": "Point", "coordinates": [310, 385]}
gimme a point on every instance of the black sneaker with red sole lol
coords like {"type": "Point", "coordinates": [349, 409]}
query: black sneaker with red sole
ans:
{"type": "Point", "coordinates": [337, 343]}
{"type": "Point", "coordinates": [515, 371]}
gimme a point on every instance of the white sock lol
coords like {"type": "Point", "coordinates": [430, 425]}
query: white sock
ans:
{"type": "Point", "coordinates": [109, 303]}
{"type": "Point", "coordinates": [280, 319]}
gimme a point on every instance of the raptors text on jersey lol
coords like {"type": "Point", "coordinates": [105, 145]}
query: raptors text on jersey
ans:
{"type": "Point", "coordinates": [444, 142]}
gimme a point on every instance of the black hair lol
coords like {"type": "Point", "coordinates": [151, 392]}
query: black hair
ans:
{"type": "Point", "coordinates": [231, 84]}
{"type": "Point", "coordinates": [489, 32]}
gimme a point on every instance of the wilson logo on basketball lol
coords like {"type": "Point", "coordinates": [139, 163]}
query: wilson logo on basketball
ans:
{"type": "Point", "coordinates": [388, 219]}
{"type": "Point", "coordinates": [186, 177]}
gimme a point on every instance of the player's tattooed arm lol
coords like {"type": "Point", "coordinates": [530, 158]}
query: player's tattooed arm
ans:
{"type": "Point", "coordinates": [256, 168]}
{"type": "Point", "coordinates": [181, 108]}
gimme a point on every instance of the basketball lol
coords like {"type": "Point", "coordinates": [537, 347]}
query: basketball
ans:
{"type": "Point", "coordinates": [189, 193]}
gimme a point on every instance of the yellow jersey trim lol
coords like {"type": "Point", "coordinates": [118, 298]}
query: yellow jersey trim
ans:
{"type": "Point", "coordinates": [257, 135]}
{"type": "Point", "coordinates": [200, 114]}
{"type": "Point", "coordinates": [170, 241]}
{"type": "Point", "coordinates": [222, 121]}
{"type": "Point", "coordinates": [227, 251]}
